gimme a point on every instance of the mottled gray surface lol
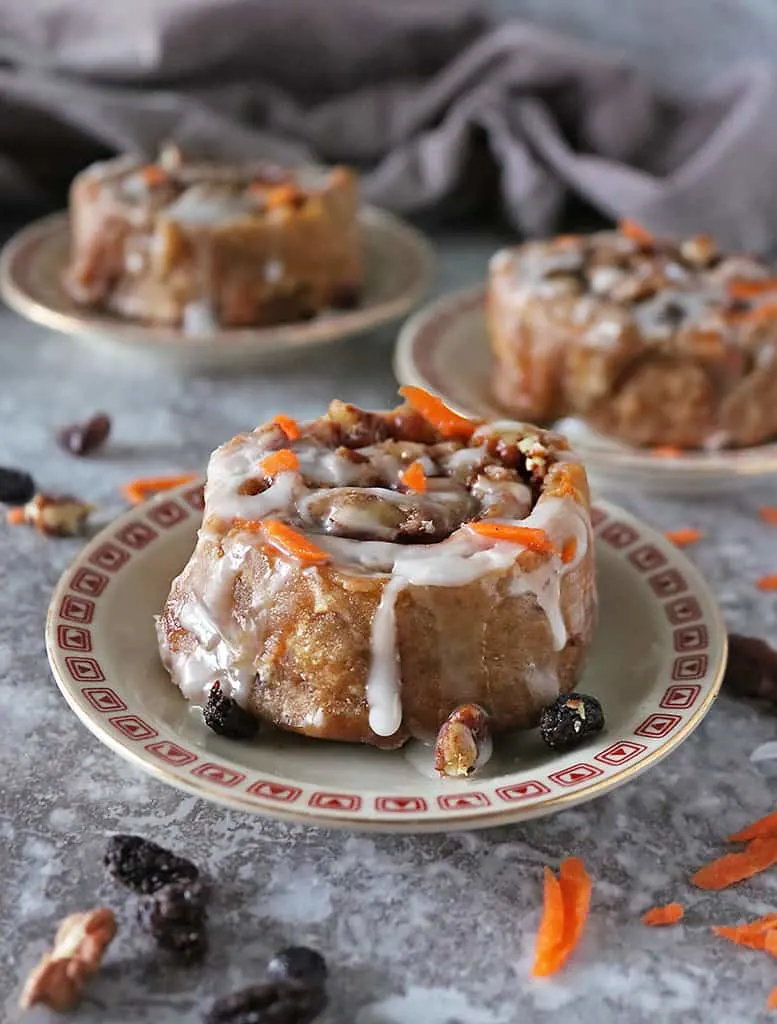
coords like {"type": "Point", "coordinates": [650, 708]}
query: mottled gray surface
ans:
{"type": "Point", "coordinates": [434, 930]}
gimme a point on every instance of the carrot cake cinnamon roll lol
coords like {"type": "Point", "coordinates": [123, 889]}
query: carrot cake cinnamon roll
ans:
{"type": "Point", "coordinates": [360, 576]}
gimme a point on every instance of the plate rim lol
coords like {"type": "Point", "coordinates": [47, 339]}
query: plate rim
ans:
{"type": "Point", "coordinates": [162, 340]}
{"type": "Point", "coordinates": [757, 461]}
{"type": "Point", "coordinates": [369, 821]}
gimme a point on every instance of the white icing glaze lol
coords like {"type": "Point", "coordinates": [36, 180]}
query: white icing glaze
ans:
{"type": "Point", "coordinates": [462, 558]}
{"type": "Point", "coordinates": [202, 205]}
{"type": "Point", "coordinates": [199, 317]}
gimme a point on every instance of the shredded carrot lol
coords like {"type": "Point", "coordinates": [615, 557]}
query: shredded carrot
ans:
{"type": "Point", "coordinates": [666, 451]}
{"type": "Point", "coordinates": [436, 412]}
{"type": "Point", "coordinates": [636, 232]}
{"type": "Point", "coordinates": [282, 195]}
{"type": "Point", "coordinates": [144, 487]}
{"type": "Point", "coordinates": [742, 936]}
{"type": "Point", "coordinates": [562, 926]}
{"type": "Point", "coordinates": [551, 930]}
{"type": "Point", "coordinates": [771, 1002]}
{"type": "Point", "coordinates": [282, 461]}
{"type": "Point", "coordinates": [153, 174]}
{"type": "Point", "coordinates": [562, 482]}
{"type": "Point", "coordinates": [529, 536]}
{"type": "Point", "coordinates": [759, 855]}
{"type": "Point", "coordinates": [414, 477]}
{"type": "Point", "coordinates": [770, 942]}
{"type": "Point", "coordinates": [766, 826]}
{"type": "Point", "coordinates": [656, 917]}
{"type": "Point", "coordinates": [569, 550]}
{"type": "Point", "coordinates": [682, 538]}
{"type": "Point", "coordinates": [288, 425]}
{"type": "Point", "coordinates": [15, 516]}
{"type": "Point", "coordinates": [755, 314]}
{"type": "Point", "coordinates": [769, 515]}
{"type": "Point", "coordinates": [742, 288]}
{"type": "Point", "coordinates": [291, 542]}
{"type": "Point", "coordinates": [767, 582]}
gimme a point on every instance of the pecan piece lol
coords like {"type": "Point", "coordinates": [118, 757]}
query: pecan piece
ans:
{"type": "Point", "coordinates": [752, 669]}
{"type": "Point", "coordinates": [56, 515]}
{"type": "Point", "coordinates": [85, 438]}
{"type": "Point", "coordinates": [699, 251]}
{"type": "Point", "coordinates": [463, 742]}
{"type": "Point", "coordinates": [79, 945]}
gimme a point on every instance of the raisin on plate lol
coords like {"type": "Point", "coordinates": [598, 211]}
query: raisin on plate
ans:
{"type": "Point", "coordinates": [144, 866]}
{"type": "Point", "coordinates": [175, 917]}
{"type": "Point", "coordinates": [570, 720]}
{"type": "Point", "coordinates": [280, 1001]}
{"type": "Point", "coordinates": [224, 716]}
{"type": "Point", "coordinates": [300, 963]}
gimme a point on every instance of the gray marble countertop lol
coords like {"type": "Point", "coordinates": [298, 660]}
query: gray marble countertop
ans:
{"type": "Point", "coordinates": [433, 929]}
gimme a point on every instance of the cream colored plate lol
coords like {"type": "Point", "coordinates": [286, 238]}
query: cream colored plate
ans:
{"type": "Point", "coordinates": [445, 349]}
{"type": "Point", "coordinates": [656, 665]}
{"type": "Point", "coordinates": [399, 269]}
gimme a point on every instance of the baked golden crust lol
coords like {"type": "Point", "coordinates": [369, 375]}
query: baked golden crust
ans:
{"type": "Point", "coordinates": [509, 634]}
{"type": "Point", "coordinates": [202, 246]}
{"type": "Point", "coordinates": [651, 341]}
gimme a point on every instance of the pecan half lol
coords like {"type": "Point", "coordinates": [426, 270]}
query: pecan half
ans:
{"type": "Point", "coordinates": [752, 669]}
{"type": "Point", "coordinates": [56, 515]}
{"type": "Point", "coordinates": [463, 742]}
{"type": "Point", "coordinates": [79, 945]}
{"type": "Point", "coordinates": [85, 438]}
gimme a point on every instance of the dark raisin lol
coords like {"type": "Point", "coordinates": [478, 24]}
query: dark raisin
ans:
{"type": "Point", "coordinates": [85, 438]}
{"type": "Point", "coordinates": [570, 720]}
{"type": "Point", "coordinates": [16, 487]}
{"type": "Point", "coordinates": [346, 296]}
{"type": "Point", "coordinates": [751, 670]}
{"type": "Point", "coordinates": [280, 1001]}
{"type": "Point", "coordinates": [175, 916]}
{"type": "Point", "coordinates": [225, 716]}
{"type": "Point", "coordinates": [300, 963]}
{"type": "Point", "coordinates": [144, 866]}
{"type": "Point", "coordinates": [671, 313]}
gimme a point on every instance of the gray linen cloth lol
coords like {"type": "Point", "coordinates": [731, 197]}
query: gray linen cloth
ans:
{"type": "Point", "coordinates": [438, 107]}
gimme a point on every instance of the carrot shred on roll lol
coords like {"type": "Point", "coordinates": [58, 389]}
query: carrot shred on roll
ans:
{"type": "Point", "coordinates": [414, 477]}
{"type": "Point", "coordinates": [658, 917]}
{"type": "Point", "coordinates": [282, 461]}
{"type": "Point", "coordinates": [759, 855]}
{"type": "Point", "coordinates": [436, 412]}
{"type": "Point", "coordinates": [144, 487]}
{"type": "Point", "coordinates": [766, 826]}
{"type": "Point", "coordinates": [742, 288]}
{"type": "Point", "coordinates": [528, 536]}
{"type": "Point", "coordinates": [635, 231]}
{"type": "Point", "coordinates": [569, 550]}
{"type": "Point", "coordinates": [292, 542]}
{"type": "Point", "coordinates": [153, 174]}
{"type": "Point", "coordinates": [288, 425]}
{"type": "Point", "coordinates": [683, 537]}
{"type": "Point", "coordinates": [567, 900]}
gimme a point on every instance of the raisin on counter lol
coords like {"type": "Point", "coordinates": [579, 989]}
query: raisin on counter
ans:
{"type": "Point", "coordinates": [224, 716]}
{"type": "Point", "coordinates": [570, 720]}
{"type": "Point", "coordinates": [279, 1001]}
{"type": "Point", "coordinates": [175, 916]}
{"type": "Point", "coordinates": [300, 963]}
{"type": "Point", "coordinates": [144, 866]}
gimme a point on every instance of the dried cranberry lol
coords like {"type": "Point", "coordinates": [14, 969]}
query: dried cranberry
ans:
{"type": "Point", "coordinates": [85, 438]}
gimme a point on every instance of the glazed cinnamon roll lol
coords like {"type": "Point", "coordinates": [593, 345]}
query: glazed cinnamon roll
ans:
{"type": "Point", "coordinates": [360, 576]}
{"type": "Point", "coordinates": [652, 341]}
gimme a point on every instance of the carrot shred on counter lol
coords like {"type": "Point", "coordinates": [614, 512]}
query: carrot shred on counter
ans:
{"type": "Point", "coordinates": [742, 288]}
{"type": "Point", "coordinates": [657, 917]}
{"type": "Point", "coordinates": [436, 412]}
{"type": "Point", "coordinates": [282, 461]}
{"type": "Point", "coordinates": [288, 425]}
{"type": "Point", "coordinates": [291, 542]}
{"type": "Point", "coordinates": [569, 550]}
{"type": "Point", "coordinates": [414, 477]}
{"type": "Point", "coordinates": [768, 515]}
{"type": "Point", "coordinates": [759, 855]}
{"type": "Point", "coordinates": [15, 516]}
{"type": "Point", "coordinates": [753, 935]}
{"type": "Point", "coordinates": [767, 582]}
{"type": "Point", "coordinates": [566, 904]}
{"type": "Point", "coordinates": [771, 1002]}
{"type": "Point", "coordinates": [666, 451]}
{"type": "Point", "coordinates": [766, 826]}
{"type": "Point", "coordinates": [635, 231]}
{"type": "Point", "coordinates": [529, 536]}
{"type": "Point", "coordinates": [682, 538]}
{"type": "Point", "coordinates": [144, 487]}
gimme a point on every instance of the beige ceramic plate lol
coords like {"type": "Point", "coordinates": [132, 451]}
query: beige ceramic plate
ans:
{"type": "Point", "coordinates": [444, 348]}
{"type": "Point", "coordinates": [656, 665]}
{"type": "Point", "coordinates": [399, 267]}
